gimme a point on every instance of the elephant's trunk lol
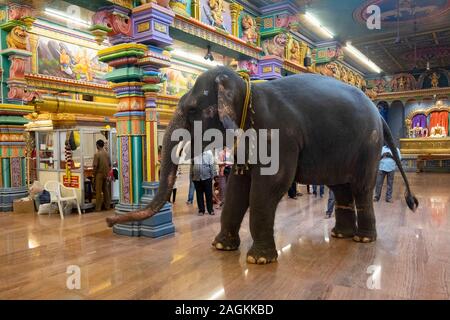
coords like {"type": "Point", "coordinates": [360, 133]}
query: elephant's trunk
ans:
{"type": "Point", "coordinates": [167, 178]}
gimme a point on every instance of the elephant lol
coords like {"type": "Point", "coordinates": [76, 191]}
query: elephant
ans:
{"type": "Point", "coordinates": [330, 132]}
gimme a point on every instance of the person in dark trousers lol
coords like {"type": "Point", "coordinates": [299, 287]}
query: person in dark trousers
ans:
{"type": "Point", "coordinates": [175, 187]}
{"type": "Point", "coordinates": [331, 202]}
{"type": "Point", "coordinates": [386, 169]}
{"type": "Point", "coordinates": [190, 199]}
{"type": "Point", "coordinates": [203, 170]}
{"type": "Point", "coordinates": [292, 192]}
{"type": "Point", "coordinates": [322, 190]}
{"type": "Point", "coordinates": [102, 167]}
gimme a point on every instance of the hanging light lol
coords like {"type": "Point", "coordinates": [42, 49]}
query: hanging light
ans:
{"type": "Point", "coordinates": [209, 55]}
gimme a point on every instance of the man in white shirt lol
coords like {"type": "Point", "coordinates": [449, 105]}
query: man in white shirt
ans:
{"type": "Point", "coordinates": [203, 170]}
{"type": "Point", "coordinates": [386, 169]}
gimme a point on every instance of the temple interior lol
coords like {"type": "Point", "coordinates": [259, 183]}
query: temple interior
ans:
{"type": "Point", "coordinates": [76, 72]}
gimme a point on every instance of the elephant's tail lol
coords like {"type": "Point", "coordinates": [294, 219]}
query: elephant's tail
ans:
{"type": "Point", "coordinates": [411, 200]}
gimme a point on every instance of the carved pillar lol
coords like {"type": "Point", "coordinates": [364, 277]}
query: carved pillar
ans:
{"type": "Point", "coordinates": [126, 78]}
{"type": "Point", "coordinates": [15, 21]}
{"type": "Point", "coordinates": [136, 77]}
{"type": "Point", "coordinates": [151, 27]}
{"type": "Point", "coordinates": [258, 27]}
{"type": "Point", "coordinates": [235, 10]}
{"type": "Point", "coordinates": [195, 9]}
{"type": "Point", "coordinates": [130, 118]}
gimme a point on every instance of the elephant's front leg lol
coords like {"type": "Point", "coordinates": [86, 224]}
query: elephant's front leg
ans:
{"type": "Point", "coordinates": [265, 195]}
{"type": "Point", "coordinates": [236, 204]}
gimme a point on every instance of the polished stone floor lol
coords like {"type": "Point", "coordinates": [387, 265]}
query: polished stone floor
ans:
{"type": "Point", "coordinates": [410, 260]}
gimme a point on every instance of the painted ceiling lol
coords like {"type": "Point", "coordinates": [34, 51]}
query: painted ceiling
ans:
{"type": "Point", "coordinates": [413, 33]}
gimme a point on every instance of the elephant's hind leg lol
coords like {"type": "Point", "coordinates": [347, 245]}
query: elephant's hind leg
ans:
{"type": "Point", "coordinates": [345, 212]}
{"type": "Point", "coordinates": [236, 204]}
{"type": "Point", "coordinates": [367, 231]}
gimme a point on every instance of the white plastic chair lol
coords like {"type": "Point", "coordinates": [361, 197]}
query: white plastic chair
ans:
{"type": "Point", "coordinates": [54, 188]}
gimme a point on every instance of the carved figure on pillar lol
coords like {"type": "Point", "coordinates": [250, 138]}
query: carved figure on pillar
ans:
{"type": "Point", "coordinates": [116, 21]}
{"type": "Point", "coordinates": [18, 38]}
{"type": "Point", "coordinates": [276, 45]}
{"type": "Point", "coordinates": [249, 32]}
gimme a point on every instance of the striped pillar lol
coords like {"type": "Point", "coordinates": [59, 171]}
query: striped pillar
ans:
{"type": "Point", "coordinates": [12, 158]}
{"type": "Point", "coordinates": [130, 119]}
{"type": "Point", "coordinates": [135, 80]}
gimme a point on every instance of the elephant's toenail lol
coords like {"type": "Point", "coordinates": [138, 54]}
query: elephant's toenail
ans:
{"type": "Point", "coordinates": [262, 261]}
{"type": "Point", "coordinates": [251, 260]}
{"type": "Point", "coordinates": [219, 246]}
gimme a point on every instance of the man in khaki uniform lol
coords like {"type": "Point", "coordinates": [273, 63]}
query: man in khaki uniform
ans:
{"type": "Point", "coordinates": [102, 167]}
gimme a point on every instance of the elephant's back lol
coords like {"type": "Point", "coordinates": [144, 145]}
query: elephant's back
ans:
{"type": "Point", "coordinates": [335, 126]}
{"type": "Point", "coordinates": [320, 95]}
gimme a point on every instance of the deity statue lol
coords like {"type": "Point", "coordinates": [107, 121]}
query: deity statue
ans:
{"type": "Point", "coordinates": [371, 93]}
{"type": "Point", "coordinates": [351, 79]}
{"type": "Point", "coordinates": [344, 75]}
{"type": "Point", "coordinates": [418, 132]}
{"type": "Point", "coordinates": [438, 131]}
{"type": "Point", "coordinates": [275, 46]}
{"type": "Point", "coordinates": [17, 38]}
{"type": "Point", "coordinates": [435, 80]}
{"type": "Point", "coordinates": [82, 65]}
{"type": "Point", "coordinates": [401, 83]}
{"type": "Point", "coordinates": [336, 71]}
{"type": "Point", "coordinates": [250, 65]}
{"type": "Point", "coordinates": [293, 51]}
{"type": "Point", "coordinates": [249, 33]}
{"type": "Point", "coordinates": [65, 61]}
{"type": "Point", "coordinates": [216, 10]}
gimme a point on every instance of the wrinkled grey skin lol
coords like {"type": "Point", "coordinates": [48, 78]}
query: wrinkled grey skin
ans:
{"type": "Point", "coordinates": [330, 134]}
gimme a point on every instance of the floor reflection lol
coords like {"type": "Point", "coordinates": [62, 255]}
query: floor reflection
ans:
{"type": "Point", "coordinates": [410, 260]}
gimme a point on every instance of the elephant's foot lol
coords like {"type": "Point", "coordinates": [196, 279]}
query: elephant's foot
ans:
{"type": "Point", "coordinates": [365, 237]}
{"type": "Point", "coordinates": [262, 255]}
{"type": "Point", "coordinates": [341, 234]}
{"type": "Point", "coordinates": [226, 241]}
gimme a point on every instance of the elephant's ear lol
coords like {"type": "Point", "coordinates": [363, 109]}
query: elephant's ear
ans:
{"type": "Point", "coordinates": [225, 100]}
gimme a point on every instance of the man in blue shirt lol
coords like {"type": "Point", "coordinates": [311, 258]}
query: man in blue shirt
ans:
{"type": "Point", "coordinates": [387, 168]}
{"type": "Point", "coordinates": [203, 170]}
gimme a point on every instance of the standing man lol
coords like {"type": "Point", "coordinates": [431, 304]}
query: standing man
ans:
{"type": "Point", "coordinates": [292, 192]}
{"type": "Point", "coordinates": [331, 202]}
{"type": "Point", "coordinates": [190, 199]}
{"type": "Point", "coordinates": [387, 168]}
{"type": "Point", "coordinates": [102, 167]}
{"type": "Point", "coordinates": [224, 171]}
{"type": "Point", "coordinates": [203, 170]}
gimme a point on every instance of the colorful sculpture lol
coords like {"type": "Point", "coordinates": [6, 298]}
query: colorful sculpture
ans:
{"type": "Point", "coordinates": [82, 65]}
{"type": "Point", "coordinates": [296, 51]}
{"type": "Point", "coordinates": [438, 131]}
{"type": "Point", "coordinates": [435, 80]}
{"type": "Point", "coordinates": [249, 32]}
{"type": "Point", "coordinates": [275, 46]}
{"type": "Point", "coordinates": [418, 132]}
{"type": "Point", "coordinates": [17, 38]}
{"type": "Point", "coordinates": [402, 82]}
{"type": "Point", "coordinates": [215, 16]}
